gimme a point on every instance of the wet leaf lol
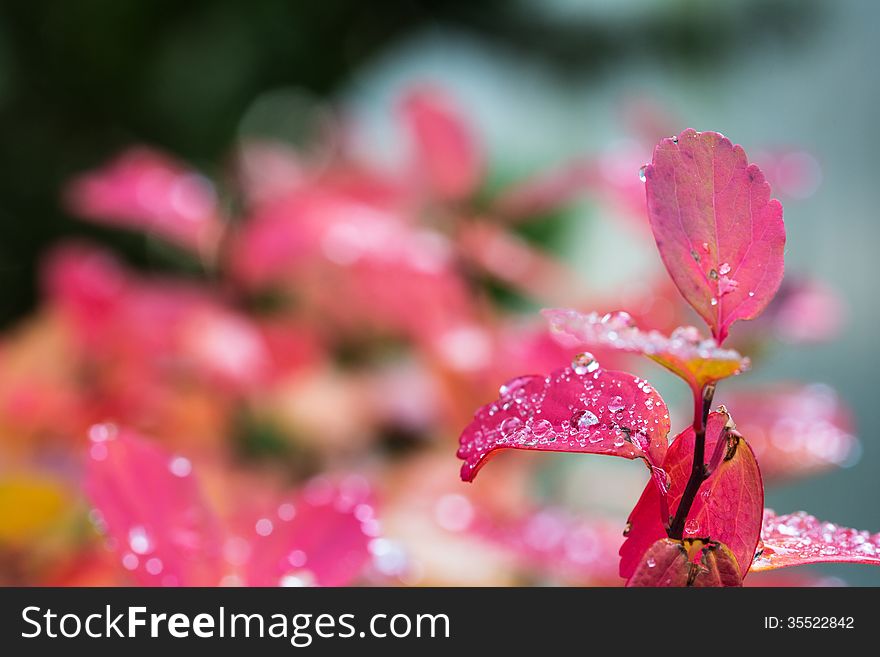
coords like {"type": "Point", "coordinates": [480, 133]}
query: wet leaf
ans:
{"type": "Point", "coordinates": [686, 563]}
{"type": "Point", "coordinates": [798, 539]}
{"type": "Point", "coordinates": [720, 235]}
{"type": "Point", "coordinates": [697, 360]}
{"type": "Point", "coordinates": [727, 507]}
{"type": "Point", "coordinates": [152, 510]}
{"type": "Point", "coordinates": [318, 537]}
{"type": "Point", "coordinates": [582, 409]}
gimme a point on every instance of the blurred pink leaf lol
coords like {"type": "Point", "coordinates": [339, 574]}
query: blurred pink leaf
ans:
{"type": "Point", "coordinates": [798, 538]}
{"type": "Point", "coordinates": [552, 541]}
{"type": "Point", "coordinates": [446, 153]}
{"type": "Point", "coordinates": [152, 509]}
{"type": "Point", "coordinates": [697, 360]}
{"type": "Point", "coordinates": [318, 537]}
{"type": "Point", "coordinates": [377, 270]}
{"type": "Point", "coordinates": [582, 409]}
{"type": "Point", "coordinates": [156, 518]}
{"type": "Point", "coordinates": [807, 311]}
{"type": "Point", "coordinates": [689, 563]}
{"type": "Point", "coordinates": [126, 320]}
{"type": "Point", "coordinates": [512, 260]}
{"type": "Point", "coordinates": [145, 190]}
{"type": "Point", "coordinates": [720, 235]}
{"type": "Point", "coordinates": [795, 430]}
{"type": "Point", "coordinates": [727, 508]}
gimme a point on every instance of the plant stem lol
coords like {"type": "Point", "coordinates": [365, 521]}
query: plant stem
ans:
{"type": "Point", "coordinates": [702, 406]}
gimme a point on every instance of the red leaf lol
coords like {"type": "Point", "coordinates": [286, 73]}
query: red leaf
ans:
{"type": "Point", "coordinates": [720, 235]}
{"type": "Point", "coordinates": [151, 506]}
{"type": "Point", "coordinates": [583, 409]}
{"type": "Point", "coordinates": [686, 563]}
{"type": "Point", "coordinates": [696, 360]}
{"type": "Point", "coordinates": [795, 430]}
{"type": "Point", "coordinates": [727, 508]}
{"type": "Point", "coordinates": [446, 152]}
{"type": "Point", "coordinates": [798, 538]}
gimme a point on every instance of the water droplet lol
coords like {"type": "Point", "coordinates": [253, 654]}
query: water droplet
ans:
{"type": "Point", "coordinates": [724, 268]}
{"type": "Point", "coordinates": [513, 385]}
{"type": "Point", "coordinates": [650, 562]}
{"type": "Point", "coordinates": [287, 512]}
{"type": "Point", "coordinates": [751, 294]}
{"type": "Point", "coordinates": [714, 301]}
{"type": "Point", "coordinates": [642, 173]}
{"type": "Point", "coordinates": [616, 404]}
{"type": "Point", "coordinates": [297, 578]}
{"type": "Point", "coordinates": [586, 420]}
{"type": "Point", "coordinates": [510, 427]}
{"type": "Point", "coordinates": [297, 558]}
{"type": "Point", "coordinates": [621, 319]}
{"type": "Point", "coordinates": [139, 540]}
{"type": "Point", "coordinates": [584, 363]}
{"type": "Point", "coordinates": [264, 527]}
{"type": "Point", "coordinates": [542, 430]}
{"type": "Point", "coordinates": [692, 526]}
{"type": "Point", "coordinates": [686, 333]}
{"type": "Point", "coordinates": [99, 433]}
{"type": "Point", "coordinates": [713, 274]}
{"type": "Point", "coordinates": [180, 466]}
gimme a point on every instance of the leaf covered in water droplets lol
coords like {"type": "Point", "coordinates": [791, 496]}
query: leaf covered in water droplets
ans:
{"type": "Point", "coordinates": [795, 430]}
{"type": "Point", "coordinates": [719, 233]}
{"type": "Point", "coordinates": [798, 539]}
{"type": "Point", "coordinates": [697, 360]}
{"type": "Point", "coordinates": [686, 563]}
{"type": "Point", "coordinates": [152, 508]}
{"type": "Point", "coordinates": [728, 506]}
{"type": "Point", "coordinates": [583, 409]}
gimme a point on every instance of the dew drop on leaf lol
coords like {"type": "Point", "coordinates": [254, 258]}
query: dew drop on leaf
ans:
{"type": "Point", "coordinates": [584, 363]}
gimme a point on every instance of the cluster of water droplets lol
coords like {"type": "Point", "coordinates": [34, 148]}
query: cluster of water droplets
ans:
{"type": "Point", "coordinates": [617, 330]}
{"type": "Point", "coordinates": [606, 413]}
{"type": "Point", "coordinates": [802, 538]}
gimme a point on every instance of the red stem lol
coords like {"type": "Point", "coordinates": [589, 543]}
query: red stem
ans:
{"type": "Point", "coordinates": [702, 406]}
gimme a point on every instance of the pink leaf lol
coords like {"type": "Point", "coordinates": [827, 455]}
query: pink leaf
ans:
{"type": "Point", "coordinates": [807, 311]}
{"type": "Point", "coordinates": [795, 430]}
{"type": "Point", "coordinates": [152, 510]}
{"type": "Point", "coordinates": [146, 190]}
{"type": "Point", "coordinates": [686, 563]}
{"type": "Point", "coordinates": [720, 235]}
{"type": "Point", "coordinates": [445, 151]}
{"type": "Point", "coordinates": [551, 541]}
{"type": "Point", "coordinates": [727, 508]}
{"type": "Point", "coordinates": [697, 360]}
{"type": "Point", "coordinates": [583, 409]}
{"type": "Point", "coordinates": [318, 537]}
{"type": "Point", "coordinates": [798, 538]}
